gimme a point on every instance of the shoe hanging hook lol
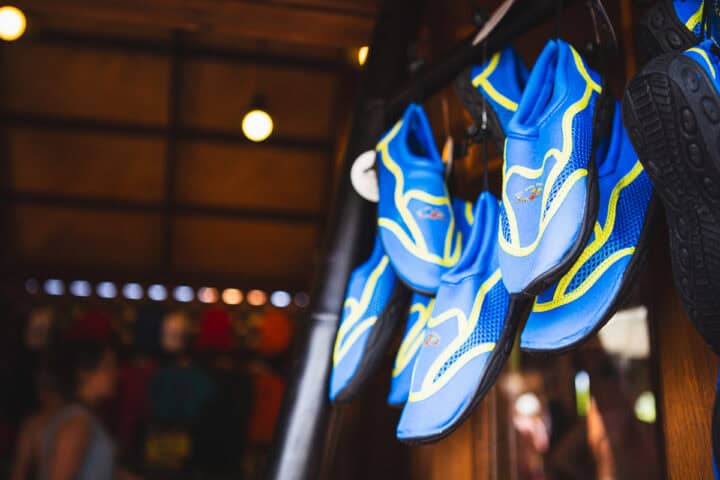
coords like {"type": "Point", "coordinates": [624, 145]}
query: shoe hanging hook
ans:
{"type": "Point", "coordinates": [605, 46]}
{"type": "Point", "coordinates": [484, 128]}
{"type": "Point", "coordinates": [478, 14]}
{"type": "Point", "coordinates": [486, 164]}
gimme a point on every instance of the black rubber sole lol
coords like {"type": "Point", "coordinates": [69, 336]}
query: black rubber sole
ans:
{"type": "Point", "coordinates": [515, 319]}
{"type": "Point", "coordinates": [660, 31]}
{"type": "Point", "coordinates": [377, 344]}
{"type": "Point", "coordinates": [637, 263]}
{"type": "Point", "coordinates": [672, 113]}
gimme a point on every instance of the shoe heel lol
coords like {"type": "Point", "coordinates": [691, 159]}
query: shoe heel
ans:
{"type": "Point", "coordinates": [660, 31]}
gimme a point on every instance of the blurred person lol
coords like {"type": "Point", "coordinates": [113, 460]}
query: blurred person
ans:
{"type": "Point", "coordinates": [180, 395]}
{"type": "Point", "coordinates": [131, 415]}
{"type": "Point", "coordinates": [29, 444]}
{"type": "Point", "coordinates": [75, 445]}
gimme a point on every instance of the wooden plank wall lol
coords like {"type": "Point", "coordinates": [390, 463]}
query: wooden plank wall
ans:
{"type": "Point", "coordinates": [687, 373]}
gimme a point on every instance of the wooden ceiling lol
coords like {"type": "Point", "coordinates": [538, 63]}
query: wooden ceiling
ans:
{"type": "Point", "coordinates": [122, 156]}
{"type": "Point", "coordinates": [339, 23]}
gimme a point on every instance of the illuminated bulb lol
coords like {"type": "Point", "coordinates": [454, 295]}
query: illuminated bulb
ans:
{"type": "Point", "coordinates": [207, 295]}
{"type": "Point", "coordinates": [232, 296]}
{"type": "Point", "coordinates": [280, 299]}
{"type": "Point", "coordinates": [256, 298]}
{"type": "Point", "coordinates": [257, 125]}
{"type": "Point", "coordinates": [54, 287]}
{"type": "Point", "coordinates": [132, 291]}
{"type": "Point", "coordinates": [106, 290]}
{"type": "Point", "coordinates": [183, 293]}
{"type": "Point", "coordinates": [157, 292]}
{"type": "Point", "coordinates": [80, 288]}
{"type": "Point", "coordinates": [12, 23]}
{"type": "Point", "coordinates": [362, 55]}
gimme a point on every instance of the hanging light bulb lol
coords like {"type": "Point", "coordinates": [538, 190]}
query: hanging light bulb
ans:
{"type": "Point", "coordinates": [12, 23]}
{"type": "Point", "coordinates": [257, 124]}
{"type": "Point", "coordinates": [362, 55]}
{"type": "Point", "coordinates": [232, 296]}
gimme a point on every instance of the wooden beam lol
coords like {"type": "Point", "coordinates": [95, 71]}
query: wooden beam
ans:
{"type": "Point", "coordinates": [84, 202]}
{"type": "Point", "coordinates": [96, 125]}
{"type": "Point", "coordinates": [363, 7]}
{"type": "Point", "coordinates": [290, 23]}
{"type": "Point", "coordinates": [115, 43]}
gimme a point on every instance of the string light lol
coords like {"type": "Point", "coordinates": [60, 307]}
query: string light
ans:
{"type": "Point", "coordinates": [106, 290]}
{"type": "Point", "coordinates": [256, 298]}
{"type": "Point", "coordinates": [207, 295]}
{"type": "Point", "coordinates": [132, 291]}
{"type": "Point", "coordinates": [54, 286]}
{"type": "Point", "coordinates": [80, 288]}
{"type": "Point", "coordinates": [232, 296]}
{"type": "Point", "coordinates": [280, 299]}
{"type": "Point", "coordinates": [362, 55]}
{"type": "Point", "coordinates": [157, 292]}
{"type": "Point", "coordinates": [12, 23]}
{"type": "Point", "coordinates": [183, 293]}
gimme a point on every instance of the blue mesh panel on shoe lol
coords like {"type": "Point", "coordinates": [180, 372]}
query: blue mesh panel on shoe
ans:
{"type": "Point", "coordinates": [488, 328]}
{"type": "Point", "coordinates": [582, 145]}
{"type": "Point", "coordinates": [504, 224]}
{"type": "Point", "coordinates": [629, 222]}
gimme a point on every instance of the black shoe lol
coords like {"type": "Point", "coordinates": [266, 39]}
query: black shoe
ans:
{"type": "Point", "coordinates": [669, 26]}
{"type": "Point", "coordinates": [672, 113]}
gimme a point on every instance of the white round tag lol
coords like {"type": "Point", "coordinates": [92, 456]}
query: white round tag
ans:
{"type": "Point", "coordinates": [364, 178]}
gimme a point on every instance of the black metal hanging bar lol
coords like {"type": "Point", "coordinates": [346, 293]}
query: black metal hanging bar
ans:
{"type": "Point", "coordinates": [300, 437]}
{"type": "Point", "coordinates": [523, 16]}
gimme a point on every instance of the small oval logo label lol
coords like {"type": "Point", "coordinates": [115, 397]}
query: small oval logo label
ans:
{"type": "Point", "coordinates": [432, 340]}
{"type": "Point", "coordinates": [431, 213]}
{"type": "Point", "coordinates": [529, 193]}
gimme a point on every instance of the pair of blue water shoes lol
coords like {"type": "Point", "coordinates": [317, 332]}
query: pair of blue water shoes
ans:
{"type": "Point", "coordinates": [580, 258]}
{"type": "Point", "coordinates": [575, 203]}
{"type": "Point", "coordinates": [567, 235]}
{"type": "Point", "coordinates": [375, 303]}
{"type": "Point", "coordinates": [423, 236]}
